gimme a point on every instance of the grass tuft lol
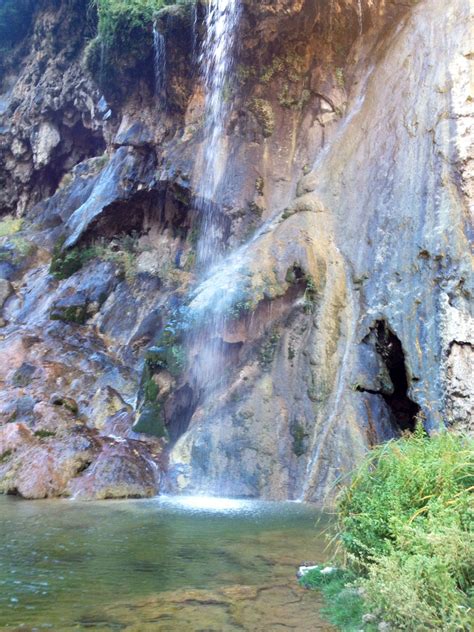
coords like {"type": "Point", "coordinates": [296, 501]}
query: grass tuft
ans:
{"type": "Point", "coordinates": [406, 530]}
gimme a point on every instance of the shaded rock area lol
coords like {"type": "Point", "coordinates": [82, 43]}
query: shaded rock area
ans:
{"type": "Point", "coordinates": [345, 294]}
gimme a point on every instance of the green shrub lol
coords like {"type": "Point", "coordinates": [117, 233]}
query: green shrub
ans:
{"type": "Point", "coordinates": [406, 528]}
{"type": "Point", "coordinates": [122, 251]}
{"type": "Point", "coordinates": [344, 603]}
{"type": "Point", "coordinates": [65, 263]}
{"type": "Point", "coordinates": [124, 42]}
{"type": "Point", "coordinates": [411, 481]}
{"type": "Point", "coordinates": [119, 18]}
{"type": "Point", "coordinates": [423, 582]}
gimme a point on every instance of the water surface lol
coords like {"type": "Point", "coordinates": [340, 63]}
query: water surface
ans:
{"type": "Point", "coordinates": [161, 564]}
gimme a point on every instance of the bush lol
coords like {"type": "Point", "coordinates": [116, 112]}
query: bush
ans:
{"type": "Point", "coordinates": [406, 528]}
{"type": "Point", "coordinates": [118, 18]}
{"type": "Point", "coordinates": [123, 47]}
{"type": "Point", "coordinates": [344, 604]}
{"type": "Point", "coordinates": [412, 481]}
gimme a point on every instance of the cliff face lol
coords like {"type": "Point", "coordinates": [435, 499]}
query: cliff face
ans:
{"type": "Point", "coordinates": [340, 306]}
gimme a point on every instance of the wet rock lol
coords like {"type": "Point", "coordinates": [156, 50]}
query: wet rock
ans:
{"type": "Point", "coordinates": [43, 142]}
{"type": "Point", "coordinates": [134, 133]}
{"type": "Point", "coordinates": [5, 291]}
{"type": "Point", "coordinates": [82, 296]}
{"type": "Point", "coordinates": [120, 425]}
{"type": "Point", "coordinates": [122, 470]}
{"type": "Point", "coordinates": [53, 418]}
{"type": "Point", "coordinates": [12, 437]}
{"type": "Point", "coordinates": [235, 607]}
{"type": "Point", "coordinates": [43, 470]}
{"type": "Point", "coordinates": [460, 369]}
{"type": "Point", "coordinates": [106, 403]}
{"type": "Point", "coordinates": [377, 234]}
{"type": "Point", "coordinates": [151, 421]}
{"type": "Point", "coordinates": [127, 172]}
{"type": "Point", "coordinates": [68, 403]}
{"type": "Point", "coordinates": [24, 375]}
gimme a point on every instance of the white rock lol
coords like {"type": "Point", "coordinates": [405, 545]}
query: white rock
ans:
{"type": "Point", "coordinates": [43, 141]}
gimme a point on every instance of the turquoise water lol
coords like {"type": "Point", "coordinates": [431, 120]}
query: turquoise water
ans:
{"type": "Point", "coordinates": [131, 565]}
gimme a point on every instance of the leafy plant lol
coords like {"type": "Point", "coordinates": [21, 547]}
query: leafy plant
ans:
{"type": "Point", "coordinates": [344, 603]}
{"type": "Point", "coordinates": [121, 251]}
{"type": "Point", "coordinates": [406, 528]}
{"type": "Point", "coordinates": [406, 482]}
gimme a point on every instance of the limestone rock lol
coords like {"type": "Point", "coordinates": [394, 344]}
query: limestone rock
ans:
{"type": "Point", "coordinates": [43, 141]}
{"type": "Point", "coordinates": [5, 291]}
{"type": "Point", "coordinates": [122, 470]}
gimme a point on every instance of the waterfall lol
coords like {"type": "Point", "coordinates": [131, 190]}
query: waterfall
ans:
{"type": "Point", "coordinates": [159, 59]}
{"type": "Point", "coordinates": [216, 60]}
{"type": "Point", "coordinates": [360, 16]}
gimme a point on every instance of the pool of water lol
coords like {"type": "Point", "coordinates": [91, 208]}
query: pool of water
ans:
{"type": "Point", "coordinates": [162, 564]}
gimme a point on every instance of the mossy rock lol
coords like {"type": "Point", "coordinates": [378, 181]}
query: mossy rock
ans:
{"type": "Point", "coordinates": [77, 314]}
{"type": "Point", "coordinates": [151, 421]}
{"type": "Point", "coordinates": [170, 358]}
{"type": "Point", "coordinates": [263, 112]}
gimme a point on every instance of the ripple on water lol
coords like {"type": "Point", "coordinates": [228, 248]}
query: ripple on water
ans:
{"type": "Point", "coordinates": [159, 564]}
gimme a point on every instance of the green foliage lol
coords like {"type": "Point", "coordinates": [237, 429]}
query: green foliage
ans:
{"type": "Point", "coordinates": [310, 294]}
{"type": "Point", "coordinates": [10, 225]}
{"type": "Point", "coordinates": [15, 249]}
{"type": "Point", "coordinates": [344, 603]}
{"type": "Point", "coordinates": [119, 18]}
{"type": "Point", "coordinates": [263, 112]}
{"type": "Point", "coordinates": [412, 481]}
{"type": "Point", "coordinates": [73, 314]}
{"type": "Point", "coordinates": [406, 527]}
{"type": "Point", "coordinates": [424, 582]}
{"type": "Point", "coordinates": [299, 435]}
{"type": "Point", "coordinates": [151, 421]}
{"type": "Point", "coordinates": [169, 356]}
{"type": "Point", "coordinates": [407, 521]}
{"type": "Point", "coordinates": [121, 251]}
{"type": "Point", "coordinates": [268, 349]}
{"type": "Point", "coordinates": [44, 434]}
{"type": "Point", "coordinates": [124, 41]}
{"type": "Point", "coordinates": [5, 456]}
{"type": "Point", "coordinates": [65, 263]}
{"type": "Point", "coordinates": [240, 308]}
{"type": "Point", "coordinates": [340, 78]}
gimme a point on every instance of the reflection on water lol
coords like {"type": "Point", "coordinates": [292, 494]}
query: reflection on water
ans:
{"type": "Point", "coordinates": [163, 564]}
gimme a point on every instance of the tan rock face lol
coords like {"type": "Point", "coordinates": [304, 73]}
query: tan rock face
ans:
{"type": "Point", "coordinates": [344, 298]}
{"type": "Point", "coordinates": [122, 470]}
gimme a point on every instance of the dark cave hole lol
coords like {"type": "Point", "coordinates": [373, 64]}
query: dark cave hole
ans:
{"type": "Point", "coordinates": [389, 347]}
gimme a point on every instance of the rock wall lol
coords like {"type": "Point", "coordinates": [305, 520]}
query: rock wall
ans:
{"type": "Point", "coordinates": [346, 289]}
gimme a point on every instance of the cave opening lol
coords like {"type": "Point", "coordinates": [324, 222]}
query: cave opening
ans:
{"type": "Point", "coordinates": [389, 347]}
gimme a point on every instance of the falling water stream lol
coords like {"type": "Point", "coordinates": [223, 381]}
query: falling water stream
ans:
{"type": "Point", "coordinates": [159, 60]}
{"type": "Point", "coordinates": [216, 61]}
